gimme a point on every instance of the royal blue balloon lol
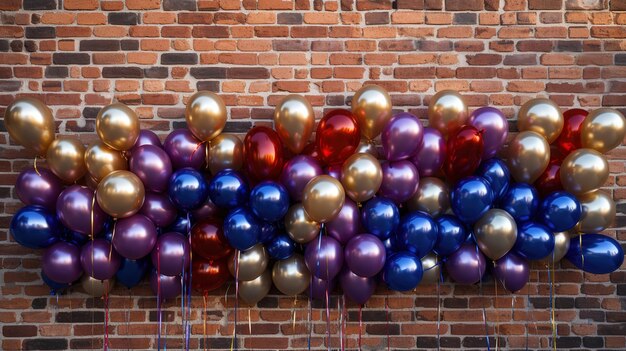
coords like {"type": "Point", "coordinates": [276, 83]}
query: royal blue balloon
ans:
{"type": "Point", "coordinates": [403, 271]}
{"type": "Point", "coordinates": [534, 241]}
{"type": "Point", "coordinates": [76, 238]}
{"type": "Point", "coordinates": [495, 171]}
{"type": "Point", "coordinates": [188, 189]}
{"type": "Point", "coordinates": [417, 234]}
{"type": "Point", "coordinates": [55, 287]}
{"type": "Point", "coordinates": [281, 247]}
{"type": "Point", "coordinates": [471, 198]}
{"type": "Point", "coordinates": [380, 216]}
{"type": "Point", "coordinates": [560, 211]}
{"type": "Point", "coordinates": [451, 235]}
{"type": "Point", "coordinates": [131, 272]}
{"type": "Point", "coordinates": [599, 254]}
{"type": "Point", "coordinates": [242, 229]}
{"type": "Point", "coordinates": [35, 227]}
{"type": "Point", "coordinates": [181, 225]}
{"type": "Point", "coordinates": [227, 189]}
{"type": "Point", "coordinates": [521, 201]}
{"type": "Point", "coordinates": [269, 231]}
{"type": "Point", "coordinates": [269, 201]}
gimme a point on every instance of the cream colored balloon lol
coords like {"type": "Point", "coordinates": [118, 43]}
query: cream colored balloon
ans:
{"type": "Point", "coordinates": [253, 291]}
{"type": "Point", "coordinates": [206, 115]}
{"type": "Point", "coordinates": [584, 170]}
{"type": "Point", "coordinates": [66, 158]}
{"type": "Point", "coordinates": [120, 194]}
{"type": "Point", "coordinates": [323, 198]}
{"type": "Point", "coordinates": [300, 227]}
{"type": "Point", "coordinates": [542, 116]}
{"type": "Point", "coordinates": [529, 155]}
{"type": "Point", "coordinates": [252, 263]}
{"type": "Point", "coordinates": [361, 176]}
{"type": "Point", "coordinates": [225, 152]}
{"type": "Point", "coordinates": [432, 197]}
{"type": "Point", "coordinates": [95, 287]}
{"type": "Point", "coordinates": [598, 212]}
{"type": "Point", "coordinates": [366, 147]}
{"type": "Point", "coordinates": [431, 266]}
{"type": "Point", "coordinates": [603, 130]}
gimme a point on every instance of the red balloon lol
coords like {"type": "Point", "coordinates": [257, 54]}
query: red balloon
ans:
{"type": "Point", "coordinates": [338, 135]}
{"type": "Point", "coordinates": [465, 147]}
{"type": "Point", "coordinates": [550, 180]}
{"type": "Point", "coordinates": [263, 152]}
{"type": "Point", "coordinates": [569, 139]}
{"type": "Point", "coordinates": [209, 275]}
{"type": "Point", "coordinates": [311, 150]}
{"type": "Point", "coordinates": [208, 240]}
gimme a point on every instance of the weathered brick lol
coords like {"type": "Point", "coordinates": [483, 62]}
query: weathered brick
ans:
{"type": "Point", "coordinates": [122, 72]}
{"type": "Point", "coordinates": [40, 32]}
{"type": "Point", "coordinates": [99, 45]}
{"type": "Point", "coordinates": [123, 18]}
{"type": "Point", "coordinates": [179, 5]}
{"type": "Point", "coordinates": [179, 59]}
{"type": "Point", "coordinates": [39, 5]}
{"type": "Point", "coordinates": [71, 58]}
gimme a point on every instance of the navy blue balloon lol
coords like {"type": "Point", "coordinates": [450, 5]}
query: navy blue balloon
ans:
{"type": "Point", "coordinates": [495, 171]}
{"type": "Point", "coordinates": [55, 287]}
{"type": "Point", "coordinates": [180, 225]}
{"type": "Point", "coordinates": [521, 201]}
{"type": "Point", "coordinates": [471, 198]}
{"type": "Point", "coordinates": [380, 216]}
{"type": "Point", "coordinates": [281, 247]}
{"type": "Point", "coordinates": [188, 189]}
{"type": "Point", "coordinates": [534, 241]}
{"type": "Point", "coordinates": [269, 231]}
{"type": "Point", "coordinates": [131, 272]}
{"type": "Point", "coordinates": [269, 201]}
{"type": "Point", "coordinates": [242, 229]}
{"type": "Point", "coordinates": [227, 189]}
{"type": "Point", "coordinates": [402, 271]}
{"type": "Point", "coordinates": [417, 234]}
{"type": "Point", "coordinates": [560, 211]}
{"type": "Point", "coordinates": [76, 238]}
{"type": "Point", "coordinates": [35, 227]}
{"type": "Point", "coordinates": [599, 254]}
{"type": "Point", "coordinates": [451, 235]}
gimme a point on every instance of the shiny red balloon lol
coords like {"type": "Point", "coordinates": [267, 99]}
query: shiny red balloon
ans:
{"type": "Point", "coordinates": [208, 240]}
{"type": "Point", "coordinates": [263, 152]}
{"type": "Point", "coordinates": [209, 275]}
{"type": "Point", "coordinates": [338, 135]}
{"type": "Point", "coordinates": [550, 180]}
{"type": "Point", "coordinates": [569, 139]}
{"type": "Point", "coordinates": [311, 150]}
{"type": "Point", "coordinates": [465, 147]}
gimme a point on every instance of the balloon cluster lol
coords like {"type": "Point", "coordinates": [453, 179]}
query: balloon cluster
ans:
{"type": "Point", "coordinates": [304, 216]}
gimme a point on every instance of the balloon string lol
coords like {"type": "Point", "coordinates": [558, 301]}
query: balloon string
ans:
{"type": "Point", "coordinates": [480, 292]}
{"type": "Point", "coordinates": [360, 324]}
{"type": "Point", "coordinates": [182, 300]}
{"type": "Point", "coordinates": [206, 153]}
{"type": "Point", "coordinates": [35, 166]}
{"type": "Point", "coordinates": [580, 246]}
{"type": "Point", "coordinates": [327, 316]}
{"type": "Point", "coordinates": [439, 281]}
{"type": "Point", "coordinates": [198, 145]}
{"type": "Point", "coordinates": [293, 309]}
{"type": "Point", "coordinates": [495, 307]}
{"type": "Point", "coordinates": [344, 318]}
{"type": "Point", "coordinates": [309, 323]}
{"type": "Point", "coordinates": [552, 299]}
{"type": "Point", "coordinates": [106, 319]}
{"type": "Point", "coordinates": [189, 281]}
{"type": "Point", "coordinates": [249, 322]}
{"type": "Point", "coordinates": [204, 298]}
{"type": "Point", "coordinates": [160, 317]}
{"type": "Point", "coordinates": [130, 307]}
{"type": "Point", "coordinates": [233, 342]}
{"type": "Point", "coordinates": [387, 317]}
{"type": "Point", "coordinates": [112, 237]}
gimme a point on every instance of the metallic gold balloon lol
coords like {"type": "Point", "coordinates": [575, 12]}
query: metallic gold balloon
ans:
{"type": "Point", "coordinates": [253, 291]}
{"type": "Point", "coordinates": [561, 246]}
{"type": "Point", "coordinates": [206, 115]}
{"type": "Point", "coordinates": [66, 158]}
{"type": "Point", "coordinates": [366, 147]}
{"type": "Point", "coordinates": [432, 197]}
{"type": "Point", "coordinates": [294, 120]}
{"type": "Point", "coordinates": [598, 212]}
{"type": "Point", "coordinates": [95, 287]}
{"type": "Point", "coordinates": [291, 276]}
{"type": "Point", "coordinates": [371, 106]}
{"type": "Point", "coordinates": [529, 155]}
{"type": "Point", "coordinates": [30, 123]}
{"type": "Point", "coordinates": [603, 130]}
{"type": "Point", "coordinates": [361, 176]}
{"type": "Point", "coordinates": [252, 262]}
{"type": "Point", "coordinates": [323, 198]}
{"type": "Point", "coordinates": [118, 126]}
{"type": "Point", "coordinates": [542, 116]}
{"type": "Point", "coordinates": [447, 111]}
{"type": "Point", "coordinates": [584, 170]}
{"type": "Point", "coordinates": [431, 268]}
{"type": "Point", "coordinates": [225, 152]}
{"type": "Point", "coordinates": [101, 160]}
{"type": "Point", "coordinates": [300, 227]}
{"type": "Point", "coordinates": [120, 194]}
{"type": "Point", "coordinates": [495, 233]}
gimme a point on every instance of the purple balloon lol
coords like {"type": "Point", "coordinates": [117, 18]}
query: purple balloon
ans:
{"type": "Point", "coordinates": [61, 262]}
{"type": "Point", "coordinates": [184, 149]}
{"type": "Point", "coordinates": [334, 171]}
{"type": "Point", "coordinates": [153, 166]}
{"type": "Point", "coordinates": [467, 265]}
{"type": "Point", "coordinates": [171, 253]}
{"type": "Point", "coordinates": [74, 209]}
{"type": "Point", "coordinates": [146, 137]}
{"type": "Point", "coordinates": [347, 223]}
{"type": "Point", "coordinates": [99, 260]}
{"type": "Point", "coordinates": [357, 289]}
{"type": "Point", "coordinates": [41, 189]}
{"type": "Point", "coordinates": [431, 153]}
{"type": "Point", "coordinates": [168, 287]}
{"type": "Point", "coordinates": [400, 181]}
{"type": "Point", "coordinates": [134, 237]}
{"type": "Point", "coordinates": [324, 258]}
{"type": "Point", "coordinates": [208, 210]}
{"type": "Point", "coordinates": [512, 271]}
{"type": "Point", "coordinates": [402, 137]}
{"type": "Point", "coordinates": [297, 173]}
{"type": "Point", "coordinates": [159, 209]}
{"type": "Point", "coordinates": [318, 287]}
{"type": "Point", "coordinates": [494, 127]}
{"type": "Point", "coordinates": [365, 255]}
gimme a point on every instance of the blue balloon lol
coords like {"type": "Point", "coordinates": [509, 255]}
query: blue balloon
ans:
{"type": "Point", "coordinates": [534, 241]}
{"type": "Point", "coordinates": [390, 247]}
{"type": "Point", "coordinates": [188, 189]}
{"type": "Point", "coordinates": [380, 216]}
{"type": "Point", "coordinates": [181, 225]}
{"type": "Point", "coordinates": [269, 231]}
{"type": "Point", "coordinates": [76, 238]}
{"type": "Point", "coordinates": [281, 247]}
{"type": "Point", "coordinates": [599, 254]}
{"type": "Point", "coordinates": [242, 229]}
{"type": "Point", "coordinates": [131, 272]}
{"type": "Point", "coordinates": [471, 198]}
{"type": "Point", "coordinates": [35, 227]}
{"type": "Point", "coordinates": [55, 287]}
{"type": "Point", "coordinates": [403, 271]}
{"type": "Point", "coordinates": [269, 201]}
{"type": "Point", "coordinates": [495, 171]}
{"type": "Point", "coordinates": [521, 201]}
{"type": "Point", "coordinates": [417, 234]}
{"type": "Point", "coordinates": [560, 211]}
{"type": "Point", "coordinates": [228, 189]}
{"type": "Point", "coordinates": [451, 235]}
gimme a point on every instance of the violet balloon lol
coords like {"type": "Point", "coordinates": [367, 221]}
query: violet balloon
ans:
{"type": "Point", "coordinates": [324, 257]}
{"type": "Point", "coordinates": [400, 181]}
{"type": "Point", "coordinates": [467, 265]}
{"type": "Point", "coordinates": [334, 171]}
{"type": "Point", "coordinates": [40, 189]}
{"type": "Point", "coordinates": [74, 209]}
{"type": "Point", "coordinates": [347, 223]}
{"type": "Point", "coordinates": [319, 287]}
{"type": "Point", "coordinates": [171, 254]}
{"type": "Point", "coordinates": [494, 127]}
{"type": "Point", "coordinates": [297, 173]}
{"type": "Point", "coordinates": [61, 262]}
{"type": "Point", "coordinates": [431, 154]}
{"type": "Point", "coordinates": [159, 209]}
{"type": "Point", "coordinates": [99, 260]}
{"type": "Point", "coordinates": [134, 237]}
{"type": "Point", "coordinates": [402, 137]}
{"type": "Point", "coordinates": [184, 149]}
{"type": "Point", "coordinates": [153, 166]}
{"type": "Point", "coordinates": [365, 255]}
{"type": "Point", "coordinates": [512, 271]}
{"type": "Point", "coordinates": [357, 289]}
{"type": "Point", "coordinates": [165, 287]}
{"type": "Point", "coordinates": [147, 137]}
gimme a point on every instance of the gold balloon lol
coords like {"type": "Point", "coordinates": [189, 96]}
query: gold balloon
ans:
{"type": "Point", "coordinates": [120, 194]}
{"type": "Point", "coordinates": [206, 115]}
{"type": "Point", "coordinates": [118, 126]}
{"type": "Point", "coordinates": [291, 276]}
{"type": "Point", "coordinates": [432, 197]}
{"type": "Point", "coordinates": [584, 170]}
{"type": "Point", "coordinates": [447, 111]}
{"type": "Point", "coordinates": [95, 287]}
{"type": "Point", "coordinates": [300, 227]}
{"type": "Point", "coordinates": [294, 120]}
{"type": "Point", "coordinates": [253, 291]}
{"type": "Point", "coordinates": [371, 106]}
{"type": "Point", "coordinates": [529, 155]}
{"type": "Point", "coordinates": [30, 123]}
{"type": "Point", "coordinates": [561, 246]}
{"type": "Point", "coordinates": [366, 147]}
{"type": "Point", "coordinates": [598, 212]}
{"type": "Point", "coordinates": [431, 268]}
{"type": "Point", "coordinates": [542, 116]}
{"type": "Point", "coordinates": [66, 158]}
{"type": "Point", "coordinates": [361, 176]}
{"type": "Point", "coordinates": [252, 263]}
{"type": "Point", "coordinates": [225, 152]}
{"type": "Point", "coordinates": [495, 233]}
{"type": "Point", "coordinates": [603, 130]}
{"type": "Point", "coordinates": [323, 198]}
{"type": "Point", "coordinates": [102, 160]}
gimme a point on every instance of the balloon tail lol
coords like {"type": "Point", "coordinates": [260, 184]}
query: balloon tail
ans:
{"type": "Point", "coordinates": [35, 166]}
{"type": "Point", "coordinates": [582, 255]}
{"type": "Point", "coordinates": [206, 153]}
{"type": "Point", "coordinates": [91, 215]}
{"type": "Point", "coordinates": [249, 322]}
{"type": "Point", "coordinates": [293, 324]}
{"type": "Point", "coordinates": [360, 324]}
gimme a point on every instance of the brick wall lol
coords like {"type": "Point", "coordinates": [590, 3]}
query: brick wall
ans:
{"type": "Point", "coordinates": [79, 55]}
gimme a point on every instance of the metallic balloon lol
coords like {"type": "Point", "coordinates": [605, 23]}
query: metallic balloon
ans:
{"type": "Point", "coordinates": [347, 223]}
{"type": "Point", "coordinates": [153, 166]}
{"type": "Point", "coordinates": [471, 198]}
{"type": "Point", "coordinates": [467, 265]}
{"type": "Point", "coordinates": [102, 160]}
{"type": "Point", "coordinates": [290, 276]}
{"type": "Point", "coordinates": [431, 154]}
{"type": "Point", "coordinates": [367, 147]}
{"type": "Point", "coordinates": [206, 115]}
{"type": "Point", "coordinates": [495, 171]}
{"type": "Point", "coordinates": [432, 197]}
{"type": "Point", "coordinates": [147, 137]}
{"type": "Point", "coordinates": [99, 260]}
{"type": "Point", "coordinates": [294, 120]}
{"type": "Point", "coordinates": [300, 227]}
{"type": "Point", "coordinates": [78, 211]}
{"type": "Point", "coordinates": [253, 291]}
{"type": "Point", "coordinates": [167, 287]}
{"type": "Point", "coordinates": [134, 236]}
{"type": "Point", "coordinates": [402, 136]}
{"type": "Point", "coordinates": [603, 130]}
{"type": "Point", "coordinates": [380, 216]}
{"type": "Point", "coordinates": [61, 262]}
{"type": "Point", "coordinates": [225, 152]}
{"type": "Point", "coordinates": [66, 158]}
{"type": "Point", "coordinates": [595, 253]}
{"type": "Point", "coordinates": [120, 194]}
{"type": "Point", "coordinates": [371, 106]}
{"type": "Point", "coordinates": [171, 254]}
{"type": "Point", "coordinates": [319, 287]}
{"type": "Point", "coordinates": [323, 198]}
{"type": "Point", "coordinates": [184, 149]}
{"type": "Point", "coordinates": [542, 116]}
{"type": "Point", "coordinates": [251, 263]}
{"type": "Point", "coordinates": [534, 241]}
{"type": "Point", "coordinates": [561, 246]}
{"type": "Point", "coordinates": [512, 271]}
{"type": "Point", "coordinates": [208, 240]}
{"type": "Point", "coordinates": [35, 227]}
{"type": "Point", "coordinates": [365, 255]}
{"type": "Point", "coordinates": [598, 212]}
{"type": "Point", "coordinates": [447, 111]}
{"type": "Point", "coordinates": [560, 211]}
{"type": "Point", "coordinates": [159, 209]}
{"type": "Point", "coordinates": [403, 271]}
{"type": "Point", "coordinates": [324, 257]}
{"type": "Point", "coordinates": [39, 187]}
{"type": "Point", "coordinates": [495, 233]}
{"type": "Point", "coordinates": [529, 155]}
{"type": "Point", "coordinates": [431, 267]}
{"type": "Point", "coordinates": [583, 171]}
{"type": "Point", "coordinates": [96, 287]}
{"type": "Point", "coordinates": [400, 180]}
{"type": "Point", "coordinates": [297, 172]}
{"type": "Point", "coordinates": [494, 127]}
{"type": "Point", "coordinates": [242, 229]}
{"type": "Point", "coordinates": [362, 176]}
{"type": "Point", "coordinates": [118, 126]}
{"type": "Point", "coordinates": [29, 122]}
{"type": "Point", "coordinates": [355, 288]}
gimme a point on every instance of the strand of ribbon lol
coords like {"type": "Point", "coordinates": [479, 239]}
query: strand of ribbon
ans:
{"type": "Point", "coordinates": [387, 313]}
{"type": "Point", "coordinates": [551, 275]}
{"type": "Point", "coordinates": [106, 319]}
{"type": "Point", "coordinates": [182, 300]}
{"type": "Point", "coordinates": [495, 307]}
{"type": "Point", "coordinates": [188, 283]}
{"type": "Point", "coordinates": [130, 307]}
{"type": "Point", "coordinates": [233, 343]}
{"type": "Point", "coordinates": [159, 315]}
{"type": "Point", "coordinates": [204, 314]}
{"type": "Point", "coordinates": [439, 281]}
{"type": "Point", "coordinates": [480, 293]}
{"type": "Point", "coordinates": [360, 324]}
